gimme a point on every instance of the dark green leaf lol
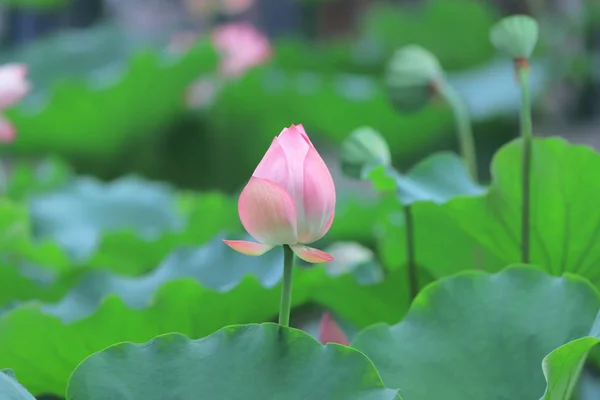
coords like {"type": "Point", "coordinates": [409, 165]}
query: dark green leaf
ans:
{"type": "Point", "coordinates": [237, 362]}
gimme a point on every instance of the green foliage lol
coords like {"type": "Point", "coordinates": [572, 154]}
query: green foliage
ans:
{"type": "Point", "coordinates": [456, 31]}
{"type": "Point", "coordinates": [238, 362]}
{"type": "Point", "coordinates": [487, 336]}
{"type": "Point", "coordinates": [38, 4]}
{"type": "Point", "coordinates": [92, 116]}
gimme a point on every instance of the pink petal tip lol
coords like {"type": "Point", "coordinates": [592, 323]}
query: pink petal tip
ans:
{"type": "Point", "coordinates": [248, 248]}
{"type": "Point", "coordinates": [310, 254]}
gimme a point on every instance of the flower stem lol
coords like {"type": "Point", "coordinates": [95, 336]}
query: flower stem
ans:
{"type": "Point", "coordinates": [286, 290]}
{"type": "Point", "coordinates": [411, 264]}
{"type": "Point", "coordinates": [522, 69]}
{"type": "Point", "coordinates": [463, 128]}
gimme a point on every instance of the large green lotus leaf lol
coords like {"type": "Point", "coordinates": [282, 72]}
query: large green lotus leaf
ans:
{"type": "Point", "coordinates": [564, 220]}
{"type": "Point", "coordinates": [76, 215]}
{"type": "Point", "coordinates": [103, 309]}
{"type": "Point", "coordinates": [124, 96]}
{"type": "Point", "coordinates": [238, 362]}
{"type": "Point", "coordinates": [482, 336]}
{"type": "Point", "coordinates": [11, 389]}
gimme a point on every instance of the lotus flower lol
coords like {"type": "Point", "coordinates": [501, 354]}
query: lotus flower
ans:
{"type": "Point", "coordinates": [13, 86]}
{"type": "Point", "coordinates": [241, 47]}
{"type": "Point", "coordinates": [290, 199]}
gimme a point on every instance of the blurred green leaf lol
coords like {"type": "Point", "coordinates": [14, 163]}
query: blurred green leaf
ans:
{"type": "Point", "coordinates": [36, 3]}
{"type": "Point", "coordinates": [433, 24]}
{"type": "Point", "coordinates": [439, 178]}
{"type": "Point", "coordinates": [27, 179]}
{"type": "Point", "coordinates": [76, 215]}
{"type": "Point", "coordinates": [10, 388]}
{"type": "Point", "coordinates": [237, 362]}
{"type": "Point", "coordinates": [98, 105]}
{"type": "Point", "coordinates": [206, 215]}
{"type": "Point", "coordinates": [17, 243]}
{"type": "Point", "coordinates": [486, 335]}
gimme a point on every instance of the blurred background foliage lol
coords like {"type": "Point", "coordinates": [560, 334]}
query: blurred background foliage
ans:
{"type": "Point", "coordinates": [110, 80]}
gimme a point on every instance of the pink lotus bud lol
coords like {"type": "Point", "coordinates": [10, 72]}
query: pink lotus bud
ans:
{"type": "Point", "coordinates": [241, 47]}
{"type": "Point", "coordinates": [290, 199]}
{"type": "Point", "coordinates": [13, 85]}
{"type": "Point", "coordinates": [330, 332]}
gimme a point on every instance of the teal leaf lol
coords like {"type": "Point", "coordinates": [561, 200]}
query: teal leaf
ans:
{"type": "Point", "coordinates": [238, 362]}
{"type": "Point", "coordinates": [11, 389]}
{"type": "Point", "coordinates": [480, 336]}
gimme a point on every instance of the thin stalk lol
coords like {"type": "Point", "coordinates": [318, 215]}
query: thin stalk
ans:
{"type": "Point", "coordinates": [464, 132]}
{"type": "Point", "coordinates": [527, 136]}
{"type": "Point", "coordinates": [411, 263]}
{"type": "Point", "coordinates": [286, 290]}
{"type": "Point", "coordinates": [3, 178]}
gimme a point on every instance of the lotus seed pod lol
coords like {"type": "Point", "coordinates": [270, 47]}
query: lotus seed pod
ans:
{"type": "Point", "coordinates": [516, 36]}
{"type": "Point", "coordinates": [364, 148]}
{"type": "Point", "coordinates": [412, 77]}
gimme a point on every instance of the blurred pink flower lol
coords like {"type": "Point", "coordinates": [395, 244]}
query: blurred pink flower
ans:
{"type": "Point", "coordinates": [290, 199]}
{"type": "Point", "coordinates": [330, 332]}
{"type": "Point", "coordinates": [241, 47]}
{"type": "Point", "coordinates": [13, 87]}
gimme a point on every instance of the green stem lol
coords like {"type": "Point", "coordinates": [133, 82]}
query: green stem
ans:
{"type": "Point", "coordinates": [3, 178]}
{"type": "Point", "coordinates": [286, 290]}
{"type": "Point", "coordinates": [463, 128]}
{"type": "Point", "coordinates": [527, 136]}
{"type": "Point", "coordinates": [411, 263]}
